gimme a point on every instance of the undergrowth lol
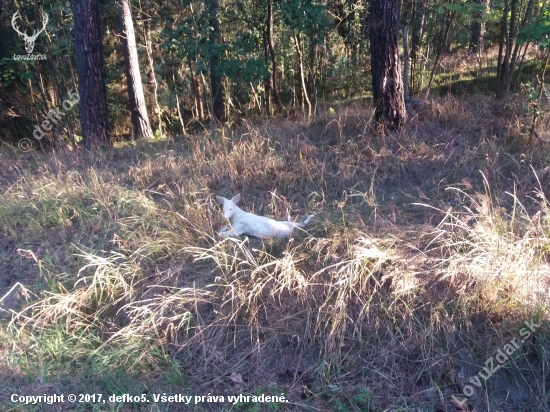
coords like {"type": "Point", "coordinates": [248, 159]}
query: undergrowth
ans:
{"type": "Point", "coordinates": [429, 251]}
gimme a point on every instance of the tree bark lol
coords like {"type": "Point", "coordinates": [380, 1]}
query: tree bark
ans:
{"type": "Point", "coordinates": [478, 30]}
{"type": "Point", "coordinates": [151, 77]}
{"type": "Point", "coordinates": [196, 90]}
{"type": "Point", "coordinates": [269, 79]}
{"type": "Point", "coordinates": [302, 74]}
{"type": "Point", "coordinates": [91, 77]}
{"type": "Point", "coordinates": [446, 22]}
{"type": "Point", "coordinates": [180, 116]}
{"type": "Point", "coordinates": [507, 38]}
{"type": "Point", "coordinates": [517, 46]}
{"type": "Point", "coordinates": [311, 80]}
{"type": "Point", "coordinates": [216, 85]}
{"type": "Point", "coordinates": [441, 48]}
{"type": "Point", "coordinates": [509, 42]}
{"type": "Point", "coordinates": [501, 42]}
{"type": "Point", "coordinates": [387, 84]}
{"type": "Point", "coordinates": [270, 42]}
{"type": "Point", "coordinates": [418, 28]}
{"type": "Point", "coordinates": [406, 62]}
{"type": "Point", "coordinates": [140, 119]}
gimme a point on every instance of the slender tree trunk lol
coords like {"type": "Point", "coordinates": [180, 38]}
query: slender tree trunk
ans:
{"type": "Point", "coordinates": [140, 119]}
{"type": "Point", "coordinates": [418, 28]}
{"type": "Point", "coordinates": [216, 85]}
{"type": "Point", "coordinates": [406, 62]}
{"type": "Point", "coordinates": [517, 46]}
{"type": "Point", "coordinates": [180, 117]}
{"type": "Point", "coordinates": [312, 73]}
{"type": "Point", "coordinates": [518, 73]}
{"type": "Point", "coordinates": [536, 112]}
{"type": "Point", "coordinates": [399, 5]}
{"type": "Point", "coordinates": [501, 42]}
{"type": "Point", "coordinates": [441, 49]}
{"type": "Point", "coordinates": [91, 78]}
{"type": "Point", "coordinates": [302, 75]}
{"type": "Point", "coordinates": [202, 96]}
{"type": "Point", "coordinates": [269, 79]}
{"type": "Point", "coordinates": [478, 30]}
{"type": "Point", "coordinates": [507, 38]}
{"type": "Point", "coordinates": [387, 84]}
{"type": "Point", "coordinates": [270, 42]}
{"type": "Point", "coordinates": [196, 90]}
{"type": "Point", "coordinates": [151, 77]}
{"type": "Point", "coordinates": [447, 21]}
{"type": "Point", "coordinates": [362, 31]}
{"type": "Point", "coordinates": [507, 67]}
{"type": "Point", "coordinates": [418, 19]}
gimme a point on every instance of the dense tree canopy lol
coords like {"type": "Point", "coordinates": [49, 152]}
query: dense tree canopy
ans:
{"type": "Point", "coordinates": [227, 59]}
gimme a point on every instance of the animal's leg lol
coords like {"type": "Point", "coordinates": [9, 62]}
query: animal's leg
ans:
{"type": "Point", "coordinates": [228, 231]}
{"type": "Point", "coordinates": [305, 222]}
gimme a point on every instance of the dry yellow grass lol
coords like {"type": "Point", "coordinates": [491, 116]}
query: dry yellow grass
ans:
{"type": "Point", "coordinates": [416, 269]}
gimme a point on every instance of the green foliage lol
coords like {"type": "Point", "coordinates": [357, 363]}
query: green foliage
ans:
{"type": "Point", "coordinates": [251, 70]}
{"type": "Point", "coordinates": [305, 16]}
{"type": "Point", "coordinates": [538, 32]}
{"type": "Point", "coordinates": [464, 8]}
{"type": "Point", "coordinates": [13, 71]}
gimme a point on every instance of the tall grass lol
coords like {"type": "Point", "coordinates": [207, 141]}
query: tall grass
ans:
{"type": "Point", "coordinates": [126, 288]}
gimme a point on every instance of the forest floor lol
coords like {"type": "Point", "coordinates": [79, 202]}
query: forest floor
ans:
{"type": "Point", "coordinates": [428, 260]}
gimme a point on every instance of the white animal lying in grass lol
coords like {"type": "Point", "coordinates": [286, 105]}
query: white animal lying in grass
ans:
{"type": "Point", "coordinates": [243, 223]}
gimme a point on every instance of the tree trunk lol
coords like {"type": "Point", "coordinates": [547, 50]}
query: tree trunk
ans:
{"type": "Point", "coordinates": [91, 78]}
{"type": "Point", "coordinates": [518, 73]}
{"type": "Point", "coordinates": [406, 62]}
{"type": "Point", "coordinates": [216, 86]}
{"type": "Point", "coordinates": [269, 79]}
{"type": "Point", "coordinates": [517, 46]}
{"type": "Point", "coordinates": [363, 31]}
{"type": "Point", "coordinates": [312, 78]}
{"type": "Point", "coordinates": [151, 77]}
{"type": "Point", "coordinates": [270, 42]}
{"type": "Point", "coordinates": [441, 48]}
{"type": "Point", "coordinates": [387, 84]}
{"type": "Point", "coordinates": [180, 117]}
{"type": "Point", "coordinates": [196, 90]}
{"type": "Point", "coordinates": [501, 42]}
{"type": "Point", "coordinates": [478, 30]}
{"type": "Point", "coordinates": [140, 119]}
{"type": "Point", "coordinates": [302, 75]}
{"type": "Point", "coordinates": [507, 38]}
{"type": "Point", "coordinates": [509, 42]}
{"type": "Point", "coordinates": [447, 15]}
{"type": "Point", "coordinates": [406, 53]}
{"type": "Point", "coordinates": [418, 28]}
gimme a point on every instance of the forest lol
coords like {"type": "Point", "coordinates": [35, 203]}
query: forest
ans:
{"type": "Point", "coordinates": [274, 205]}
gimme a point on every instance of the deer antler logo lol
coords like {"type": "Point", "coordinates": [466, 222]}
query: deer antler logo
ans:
{"type": "Point", "coordinates": [29, 40]}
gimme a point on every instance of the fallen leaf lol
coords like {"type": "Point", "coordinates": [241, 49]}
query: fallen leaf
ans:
{"type": "Point", "coordinates": [236, 377]}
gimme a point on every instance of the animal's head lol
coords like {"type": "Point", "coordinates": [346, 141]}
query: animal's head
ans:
{"type": "Point", "coordinates": [229, 206]}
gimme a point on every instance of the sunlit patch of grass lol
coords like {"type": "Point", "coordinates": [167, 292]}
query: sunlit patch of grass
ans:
{"type": "Point", "coordinates": [499, 256]}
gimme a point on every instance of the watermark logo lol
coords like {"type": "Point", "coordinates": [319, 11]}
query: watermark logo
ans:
{"type": "Point", "coordinates": [54, 117]}
{"type": "Point", "coordinates": [491, 366]}
{"type": "Point", "coordinates": [29, 40]}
